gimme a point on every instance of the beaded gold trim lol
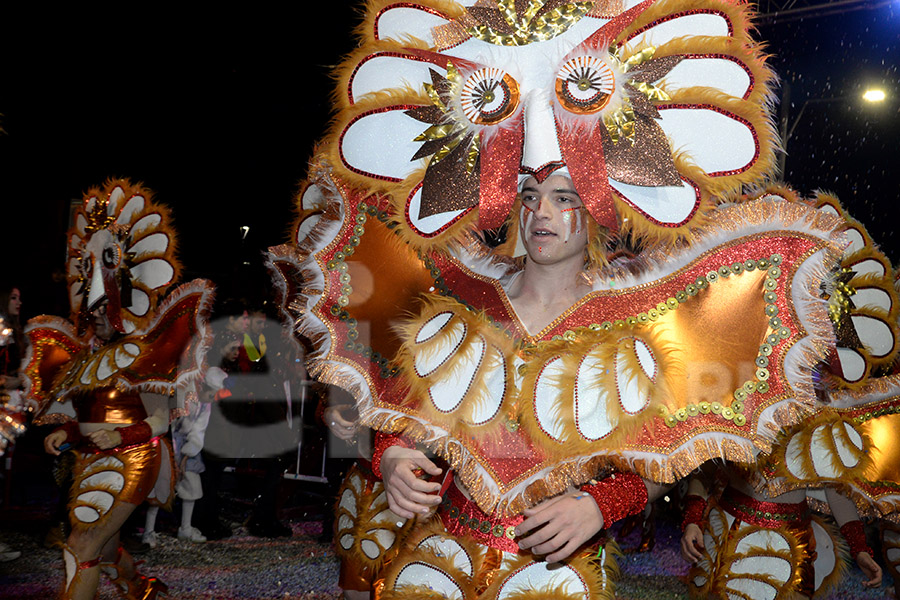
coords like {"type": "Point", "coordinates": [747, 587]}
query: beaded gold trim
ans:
{"type": "Point", "coordinates": [778, 333]}
{"type": "Point", "coordinates": [484, 526]}
{"type": "Point", "coordinates": [338, 264]}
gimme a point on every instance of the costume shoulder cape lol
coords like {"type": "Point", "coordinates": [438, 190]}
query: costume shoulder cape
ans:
{"type": "Point", "coordinates": [705, 354]}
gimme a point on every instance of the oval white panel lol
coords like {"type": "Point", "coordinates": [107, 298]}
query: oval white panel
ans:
{"type": "Point", "coordinates": [778, 568]}
{"type": "Point", "coordinates": [346, 541]}
{"type": "Point", "coordinates": [857, 241]}
{"type": "Point", "coordinates": [632, 398]}
{"type": "Point", "coordinates": [821, 453]}
{"type": "Point", "coordinates": [449, 391]}
{"type": "Point", "coordinates": [447, 547]}
{"type": "Point", "coordinates": [696, 24]}
{"type": "Point", "coordinates": [383, 72]}
{"type": "Point", "coordinates": [154, 273]}
{"type": "Point", "coordinates": [854, 436]}
{"type": "Point", "coordinates": [153, 244]}
{"type": "Point", "coordinates": [846, 452]}
{"type": "Point", "coordinates": [853, 364]}
{"type": "Point", "coordinates": [389, 129]}
{"type": "Point", "coordinates": [764, 538]}
{"type": "Point", "coordinates": [132, 208]}
{"type": "Point", "coordinates": [86, 514]}
{"type": "Point", "coordinates": [140, 302]}
{"type": "Point", "coordinates": [146, 222]}
{"type": "Point", "coordinates": [547, 400]}
{"type": "Point", "coordinates": [125, 355]}
{"type": "Point", "coordinates": [493, 373]}
{"type": "Point", "coordinates": [116, 198]}
{"type": "Point", "coordinates": [826, 564]}
{"type": "Point", "coordinates": [872, 298]}
{"type": "Point", "coordinates": [742, 587]}
{"type": "Point", "coordinates": [666, 204]}
{"type": "Point", "coordinates": [419, 574]}
{"type": "Point", "coordinates": [874, 334]}
{"type": "Point", "coordinates": [727, 76]}
{"type": "Point", "coordinates": [433, 223]}
{"type": "Point", "coordinates": [100, 500]}
{"type": "Point", "coordinates": [441, 350]}
{"type": "Point", "coordinates": [348, 502]}
{"type": "Point", "coordinates": [80, 224]}
{"type": "Point", "coordinates": [400, 22]}
{"type": "Point", "coordinates": [794, 454]}
{"type": "Point", "coordinates": [645, 358]}
{"type": "Point", "coordinates": [592, 400]}
{"type": "Point", "coordinates": [714, 141]}
{"type": "Point", "coordinates": [111, 480]}
{"type": "Point", "coordinates": [869, 267]}
{"type": "Point", "coordinates": [105, 368]}
{"type": "Point", "coordinates": [345, 522]}
{"type": "Point", "coordinates": [829, 210]}
{"type": "Point", "coordinates": [370, 549]}
{"type": "Point", "coordinates": [562, 579]}
{"type": "Point", "coordinates": [432, 326]}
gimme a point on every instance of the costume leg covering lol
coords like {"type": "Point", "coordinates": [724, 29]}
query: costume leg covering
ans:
{"type": "Point", "coordinates": [130, 583]}
{"type": "Point", "coordinates": [76, 573]}
{"type": "Point", "coordinates": [436, 565]}
{"type": "Point", "coordinates": [367, 534]}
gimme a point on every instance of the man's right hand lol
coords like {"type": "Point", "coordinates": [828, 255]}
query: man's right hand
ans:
{"type": "Point", "coordinates": [408, 495]}
{"type": "Point", "coordinates": [53, 441]}
{"type": "Point", "coordinates": [692, 543]}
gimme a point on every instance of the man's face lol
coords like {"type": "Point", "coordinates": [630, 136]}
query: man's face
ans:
{"type": "Point", "coordinates": [553, 224]}
{"type": "Point", "coordinates": [239, 324]}
{"type": "Point", "coordinates": [257, 323]}
{"type": "Point", "coordinates": [103, 329]}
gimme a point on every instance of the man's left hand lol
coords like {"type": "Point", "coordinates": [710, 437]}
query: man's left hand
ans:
{"type": "Point", "coordinates": [559, 526]}
{"type": "Point", "coordinates": [105, 438]}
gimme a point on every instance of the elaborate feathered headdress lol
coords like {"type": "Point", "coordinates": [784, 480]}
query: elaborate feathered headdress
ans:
{"type": "Point", "coordinates": [121, 247]}
{"type": "Point", "coordinates": [657, 109]}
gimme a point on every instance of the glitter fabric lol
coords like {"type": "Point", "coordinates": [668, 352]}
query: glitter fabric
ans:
{"type": "Point", "coordinates": [694, 509]}
{"type": "Point", "coordinates": [763, 513]}
{"type": "Point", "coordinates": [462, 517]}
{"type": "Point", "coordinates": [855, 534]}
{"type": "Point", "coordinates": [618, 496]}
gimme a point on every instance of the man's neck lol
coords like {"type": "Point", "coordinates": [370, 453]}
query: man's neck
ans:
{"type": "Point", "coordinates": [544, 292]}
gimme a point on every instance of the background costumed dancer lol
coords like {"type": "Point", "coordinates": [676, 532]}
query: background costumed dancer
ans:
{"type": "Point", "coordinates": [646, 312]}
{"type": "Point", "coordinates": [110, 375]}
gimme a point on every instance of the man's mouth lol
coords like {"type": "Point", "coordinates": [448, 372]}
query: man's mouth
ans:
{"type": "Point", "coordinates": [542, 233]}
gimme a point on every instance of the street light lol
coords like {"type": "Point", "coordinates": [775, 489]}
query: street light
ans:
{"type": "Point", "coordinates": [874, 95]}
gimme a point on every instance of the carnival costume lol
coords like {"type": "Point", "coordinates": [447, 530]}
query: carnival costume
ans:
{"type": "Point", "coordinates": [761, 549]}
{"type": "Point", "coordinates": [121, 248]}
{"type": "Point", "coordinates": [703, 345]}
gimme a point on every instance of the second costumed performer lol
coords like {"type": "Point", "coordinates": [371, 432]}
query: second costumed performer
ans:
{"type": "Point", "coordinates": [556, 374]}
{"type": "Point", "coordinates": [110, 375]}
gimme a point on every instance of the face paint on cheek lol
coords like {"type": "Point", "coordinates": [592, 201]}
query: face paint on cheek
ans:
{"type": "Point", "coordinates": [526, 215]}
{"type": "Point", "coordinates": [572, 218]}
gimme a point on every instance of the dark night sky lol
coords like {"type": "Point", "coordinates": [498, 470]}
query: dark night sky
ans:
{"type": "Point", "coordinates": [218, 115]}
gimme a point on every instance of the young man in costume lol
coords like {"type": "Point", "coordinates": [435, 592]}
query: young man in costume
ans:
{"type": "Point", "coordinates": [109, 376]}
{"type": "Point", "coordinates": [528, 377]}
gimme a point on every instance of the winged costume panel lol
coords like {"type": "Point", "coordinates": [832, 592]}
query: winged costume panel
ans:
{"type": "Point", "coordinates": [122, 248]}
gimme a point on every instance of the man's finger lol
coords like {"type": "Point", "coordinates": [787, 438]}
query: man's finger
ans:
{"type": "Point", "coordinates": [422, 462]}
{"type": "Point", "coordinates": [563, 553]}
